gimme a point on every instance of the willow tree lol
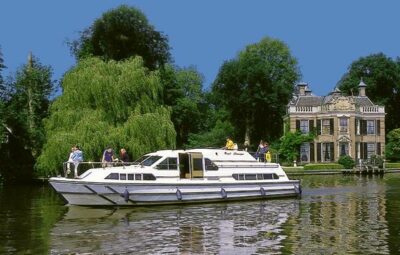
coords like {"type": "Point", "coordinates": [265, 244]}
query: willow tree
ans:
{"type": "Point", "coordinates": [106, 103]}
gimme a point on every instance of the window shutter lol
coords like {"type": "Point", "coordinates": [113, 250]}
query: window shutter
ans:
{"type": "Point", "coordinates": [297, 125]}
{"type": "Point", "coordinates": [319, 127]}
{"type": "Point", "coordinates": [311, 125]}
{"type": "Point", "coordinates": [378, 149]}
{"type": "Point", "coordinates": [356, 155]}
{"type": "Point", "coordinates": [378, 127]}
{"type": "Point", "coordinates": [365, 145]}
{"type": "Point", "coordinates": [319, 149]}
{"type": "Point", "coordinates": [311, 152]}
{"type": "Point", "coordinates": [332, 149]}
{"type": "Point", "coordinates": [331, 126]}
{"type": "Point", "coordinates": [355, 126]}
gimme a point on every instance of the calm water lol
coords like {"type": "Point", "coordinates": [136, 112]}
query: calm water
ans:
{"type": "Point", "coordinates": [336, 215]}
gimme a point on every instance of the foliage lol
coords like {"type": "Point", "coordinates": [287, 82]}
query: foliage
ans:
{"type": "Point", "coordinates": [255, 88]}
{"type": "Point", "coordinates": [290, 143]}
{"type": "Point", "coordinates": [106, 103]}
{"type": "Point", "coordinates": [382, 76]}
{"type": "Point", "coordinates": [347, 161]}
{"type": "Point", "coordinates": [376, 160]}
{"type": "Point", "coordinates": [323, 166]}
{"type": "Point", "coordinates": [214, 138]}
{"type": "Point", "coordinates": [183, 92]}
{"type": "Point", "coordinates": [122, 33]}
{"type": "Point", "coordinates": [393, 145]}
{"type": "Point", "coordinates": [29, 103]}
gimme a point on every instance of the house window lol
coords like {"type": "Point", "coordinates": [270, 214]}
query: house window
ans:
{"type": "Point", "coordinates": [344, 149]}
{"type": "Point", "coordinates": [370, 127]}
{"type": "Point", "coordinates": [305, 152]}
{"type": "Point", "coordinates": [370, 149]}
{"type": "Point", "coordinates": [343, 124]}
{"type": "Point", "coordinates": [304, 126]}
{"type": "Point", "coordinates": [326, 152]}
{"type": "Point", "coordinates": [326, 127]}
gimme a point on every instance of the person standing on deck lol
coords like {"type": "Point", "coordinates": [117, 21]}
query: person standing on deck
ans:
{"type": "Point", "coordinates": [77, 157]}
{"type": "Point", "coordinates": [108, 157]}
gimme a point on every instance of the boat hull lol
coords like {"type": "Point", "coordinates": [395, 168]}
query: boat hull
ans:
{"type": "Point", "coordinates": [131, 194]}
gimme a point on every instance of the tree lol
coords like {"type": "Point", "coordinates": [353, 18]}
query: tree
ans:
{"type": "Point", "coordinates": [25, 106]}
{"type": "Point", "coordinates": [29, 103]}
{"type": "Point", "coordinates": [183, 93]}
{"type": "Point", "coordinates": [289, 144]}
{"type": "Point", "coordinates": [119, 105]}
{"type": "Point", "coordinates": [122, 33]}
{"type": "Point", "coordinates": [393, 145]}
{"type": "Point", "coordinates": [382, 76]}
{"type": "Point", "coordinates": [255, 88]}
{"type": "Point", "coordinates": [2, 102]}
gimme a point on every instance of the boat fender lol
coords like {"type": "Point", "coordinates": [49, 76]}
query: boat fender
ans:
{"type": "Point", "coordinates": [126, 195]}
{"type": "Point", "coordinates": [262, 190]}
{"type": "Point", "coordinates": [178, 194]}
{"type": "Point", "coordinates": [223, 193]}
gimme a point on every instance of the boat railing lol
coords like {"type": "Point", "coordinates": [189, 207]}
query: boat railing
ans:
{"type": "Point", "coordinates": [69, 167]}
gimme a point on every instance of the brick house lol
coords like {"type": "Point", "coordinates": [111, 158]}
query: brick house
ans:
{"type": "Point", "coordinates": [344, 125]}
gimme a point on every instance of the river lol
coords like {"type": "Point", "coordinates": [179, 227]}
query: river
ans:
{"type": "Point", "coordinates": [335, 215]}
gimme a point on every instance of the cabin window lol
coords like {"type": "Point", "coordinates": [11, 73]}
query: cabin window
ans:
{"type": "Point", "coordinates": [210, 165]}
{"type": "Point", "coordinates": [131, 177]}
{"type": "Point", "coordinates": [138, 177]}
{"type": "Point", "coordinates": [147, 160]}
{"type": "Point", "coordinates": [197, 164]}
{"type": "Point", "coordinates": [168, 164]}
{"type": "Point", "coordinates": [122, 176]}
{"type": "Point", "coordinates": [241, 177]}
{"type": "Point", "coordinates": [148, 177]}
{"type": "Point", "coordinates": [112, 176]}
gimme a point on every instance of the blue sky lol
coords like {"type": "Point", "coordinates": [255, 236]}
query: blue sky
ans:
{"type": "Point", "coordinates": [325, 36]}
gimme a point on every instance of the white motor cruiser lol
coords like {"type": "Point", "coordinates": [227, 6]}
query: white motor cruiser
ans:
{"type": "Point", "coordinates": [179, 176]}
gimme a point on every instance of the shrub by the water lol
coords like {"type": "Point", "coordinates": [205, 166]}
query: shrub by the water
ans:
{"type": "Point", "coordinates": [323, 166]}
{"type": "Point", "coordinates": [347, 162]}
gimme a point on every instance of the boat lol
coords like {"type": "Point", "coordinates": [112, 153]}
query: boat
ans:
{"type": "Point", "coordinates": [178, 177]}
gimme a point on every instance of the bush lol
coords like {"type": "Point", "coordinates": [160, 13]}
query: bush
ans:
{"type": "Point", "coordinates": [376, 160]}
{"type": "Point", "coordinates": [323, 166]}
{"type": "Point", "coordinates": [347, 162]}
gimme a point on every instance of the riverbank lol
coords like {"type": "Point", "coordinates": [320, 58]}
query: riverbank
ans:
{"type": "Point", "coordinates": [293, 171]}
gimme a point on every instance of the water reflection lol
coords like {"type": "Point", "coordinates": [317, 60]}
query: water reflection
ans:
{"type": "Point", "coordinates": [231, 228]}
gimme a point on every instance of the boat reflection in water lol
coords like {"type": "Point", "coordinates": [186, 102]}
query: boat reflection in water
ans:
{"type": "Point", "coordinates": [224, 228]}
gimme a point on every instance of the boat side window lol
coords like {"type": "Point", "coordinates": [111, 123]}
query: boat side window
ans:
{"type": "Point", "coordinates": [112, 176]}
{"type": "Point", "coordinates": [255, 176]}
{"type": "Point", "coordinates": [210, 165]}
{"type": "Point", "coordinates": [122, 176]}
{"type": "Point", "coordinates": [168, 164]}
{"type": "Point", "coordinates": [131, 177]}
{"type": "Point", "coordinates": [149, 177]}
{"type": "Point", "coordinates": [138, 177]}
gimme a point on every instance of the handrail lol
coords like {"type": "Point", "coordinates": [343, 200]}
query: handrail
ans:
{"type": "Point", "coordinates": [68, 166]}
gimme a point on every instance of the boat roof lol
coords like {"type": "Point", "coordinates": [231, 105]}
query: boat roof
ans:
{"type": "Point", "coordinates": [214, 154]}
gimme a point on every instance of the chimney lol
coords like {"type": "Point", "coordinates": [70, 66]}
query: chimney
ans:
{"type": "Point", "coordinates": [361, 89]}
{"type": "Point", "coordinates": [308, 91]}
{"type": "Point", "coordinates": [301, 86]}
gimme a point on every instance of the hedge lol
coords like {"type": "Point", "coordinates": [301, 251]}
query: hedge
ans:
{"type": "Point", "coordinates": [323, 166]}
{"type": "Point", "coordinates": [392, 165]}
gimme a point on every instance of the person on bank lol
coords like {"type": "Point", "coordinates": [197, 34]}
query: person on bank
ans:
{"type": "Point", "coordinates": [123, 156]}
{"type": "Point", "coordinates": [230, 145]}
{"type": "Point", "coordinates": [108, 157]}
{"type": "Point", "coordinates": [77, 157]}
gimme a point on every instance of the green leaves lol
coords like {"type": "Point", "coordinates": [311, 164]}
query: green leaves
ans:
{"type": "Point", "coordinates": [106, 103]}
{"type": "Point", "coordinates": [122, 33]}
{"type": "Point", "coordinates": [256, 86]}
{"type": "Point", "coordinates": [393, 145]}
{"type": "Point", "coordinates": [290, 144]}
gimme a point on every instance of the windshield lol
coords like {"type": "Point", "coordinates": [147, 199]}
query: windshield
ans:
{"type": "Point", "coordinates": [147, 160]}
